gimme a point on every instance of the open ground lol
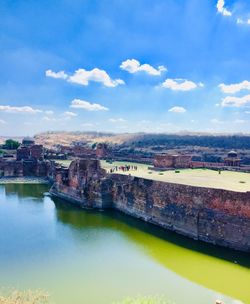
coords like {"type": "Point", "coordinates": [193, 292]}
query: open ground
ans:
{"type": "Point", "coordinates": [228, 180]}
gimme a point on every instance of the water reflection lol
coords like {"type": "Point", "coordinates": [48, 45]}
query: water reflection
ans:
{"type": "Point", "coordinates": [25, 190]}
{"type": "Point", "coordinates": [211, 266]}
{"type": "Point", "coordinates": [48, 243]}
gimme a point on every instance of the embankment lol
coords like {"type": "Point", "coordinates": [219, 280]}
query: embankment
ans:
{"type": "Point", "coordinates": [216, 216]}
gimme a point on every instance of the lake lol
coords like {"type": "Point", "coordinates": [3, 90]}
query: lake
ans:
{"type": "Point", "coordinates": [82, 256]}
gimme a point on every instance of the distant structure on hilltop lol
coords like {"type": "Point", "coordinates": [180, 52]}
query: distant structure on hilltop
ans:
{"type": "Point", "coordinates": [232, 159]}
{"type": "Point", "coordinates": [28, 141]}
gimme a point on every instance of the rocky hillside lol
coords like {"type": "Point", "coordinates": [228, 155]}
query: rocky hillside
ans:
{"type": "Point", "coordinates": [142, 140]}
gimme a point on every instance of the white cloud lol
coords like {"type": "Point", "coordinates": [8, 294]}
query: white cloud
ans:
{"type": "Point", "coordinates": [2, 122]}
{"type": "Point", "coordinates": [58, 75]}
{"type": "Point", "coordinates": [47, 118]}
{"type": "Point", "coordinates": [69, 114]}
{"type": "Point", "coordinates": [49, 112]}
{"type": "Point", "coordinates": [177, 110]}
{"type": "Point", "coordinates": [180, 84]}
{"type": "Point", "coordinates": [60, 118]}
{"type": "Point", "coordinates": [243, 21]}
{"type": "Point", "coordinates": [25, 109]}
{"type": "Point", "coordinates": [221, 8]}
{"type": "Point", "coordinates": [82, 76]}
{"type": "Point", "coordinates": [85, 105]}
{"type": "Point", "coordinates": [235, 87]}
{"type": "Point", "coordinates": [232, 101]}
{"type": "Point", "coordinates": [114, 120]}
{"type": "Point", "coordinates": [134, 66]}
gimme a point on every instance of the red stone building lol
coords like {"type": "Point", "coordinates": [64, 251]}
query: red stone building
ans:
{"type": "Point", "coordinates": [101, 150]}
{"type": "Point", "coordinates": [23, 153]}
{"type": "Point", "coordinates": [172, 161]}
{"type": "Point", "coordinates": [66, 149]}
{"type": "Point", "coordinates": [36, 152]}
{"type": "Point", "coordinates": [29, 150]}
{"type": "Point", "coordinates": [83, 151]}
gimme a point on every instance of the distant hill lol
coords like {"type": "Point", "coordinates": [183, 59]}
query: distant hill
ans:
{"type": "Point", "coordinates": [50, 139]}
{"type": "Point", "coordinates": [143, 140]}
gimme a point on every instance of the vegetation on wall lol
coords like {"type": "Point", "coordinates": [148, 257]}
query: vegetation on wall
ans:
{"type": "Point", "coordinates": [11, 144]}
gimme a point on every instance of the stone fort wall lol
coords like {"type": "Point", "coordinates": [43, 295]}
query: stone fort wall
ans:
{"type": "Point", "coordinates": [24, 168]}
{"type": "Point", "coordinates": [216, 216]}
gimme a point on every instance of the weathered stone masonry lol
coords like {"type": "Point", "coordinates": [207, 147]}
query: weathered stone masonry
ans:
{"type": "Point", "coordinates": [216, 216]}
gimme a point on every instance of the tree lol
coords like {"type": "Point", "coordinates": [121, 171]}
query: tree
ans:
{"type": "Point", "coordinates": [11, 144]}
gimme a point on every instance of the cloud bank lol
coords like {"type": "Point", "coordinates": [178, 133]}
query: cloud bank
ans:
{"type": "Point", "coordinates": [177, 109]}
{"type": "Point", "coordinates": [85, 105]}
{"type": "Point", "coordinates": [133, 66]}
{"type": "Point", "coordinates": [180, 84]}
{"type": "Point", "coordinates": [116, 120]}
{"type": "Point", "coordinates": [234, 88]}
{"type": "Point", "coordinates": [25, 109]}
{"type": "Point", "coordinates": [83, 77]}
{"type": "Point", "coordinates": [233, 101]}
{"type": "Point", "coordinates": [57, 75]}
{"type": "Point", "coordinates": [221, 8]}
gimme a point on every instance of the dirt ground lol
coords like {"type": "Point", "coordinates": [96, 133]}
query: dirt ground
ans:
{"type": "Point", "coordinates": [228, 180]}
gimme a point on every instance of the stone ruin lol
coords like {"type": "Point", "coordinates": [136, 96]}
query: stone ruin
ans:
{"type": "Point", "coordinates": [216, 216]}
{"type": "Point", "coordinates": [29, 161]}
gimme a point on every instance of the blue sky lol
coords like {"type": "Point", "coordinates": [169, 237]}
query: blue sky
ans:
{"type": "Point", "coordinates": [124, 66]}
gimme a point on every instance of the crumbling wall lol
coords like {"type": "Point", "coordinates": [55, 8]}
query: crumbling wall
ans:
{"type": "Point", "coordinates": [83, 184]}
{"type": "Point", "coordinates": [12, 168]}
{"type": "Point", "coordinates": [15, 168]}
{"type": "Point", "coordinates": [216, 216]}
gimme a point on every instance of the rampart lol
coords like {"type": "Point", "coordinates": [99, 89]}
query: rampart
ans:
{"type": "Point", "coordinates": [22, 168]}
{"type": "Point", "coordinates": [215, 216]}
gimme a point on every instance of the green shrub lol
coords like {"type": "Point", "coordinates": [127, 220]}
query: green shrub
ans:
{"type": "Point", "coordinates": [11, 144]}
{"type": "Point", "coordinates": [177, 171]}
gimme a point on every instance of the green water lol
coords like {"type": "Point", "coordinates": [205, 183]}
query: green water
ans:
{"type": "Point", "coordinates": [88, 257]}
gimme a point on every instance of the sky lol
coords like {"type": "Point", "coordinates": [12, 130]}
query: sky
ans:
{"type": "Point", "coordinates": [120, 66]}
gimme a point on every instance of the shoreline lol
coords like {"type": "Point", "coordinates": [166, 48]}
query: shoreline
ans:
{"type": "Point", "coordinates": [24, 180]}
